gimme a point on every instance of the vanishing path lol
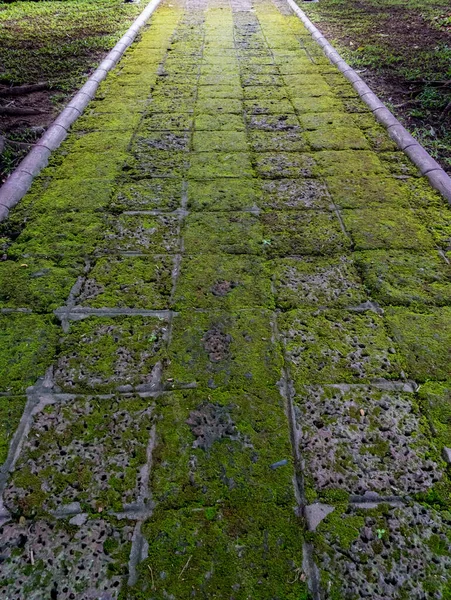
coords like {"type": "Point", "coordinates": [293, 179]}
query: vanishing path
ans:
{"type": "Point", "coordinates": [239, 292]}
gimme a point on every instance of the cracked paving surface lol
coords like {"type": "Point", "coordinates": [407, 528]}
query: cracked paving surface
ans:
{"type": "Point", "coordinates": [225, 335]}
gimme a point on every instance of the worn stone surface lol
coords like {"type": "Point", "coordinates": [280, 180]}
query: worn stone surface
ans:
{"type": "Point", "coordinates": [224, 335]}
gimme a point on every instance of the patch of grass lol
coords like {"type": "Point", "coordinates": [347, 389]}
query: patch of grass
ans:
{"type": "Point", "coordinates": [58, 41]}
{"type": "Point", "coordinates": [403, 50]}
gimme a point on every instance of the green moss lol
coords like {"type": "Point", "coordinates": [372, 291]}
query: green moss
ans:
{"type": "Point", "coordinates": [11, 409]}
{"type": "Point", "coordinates": [218, 282]}
{"type": "Point", "coordinates": [228, 350]}
{"type": "Point", "coordinates": [98, 142]}
{"type": "Point", "coordinates": [318, 120]}
{"type": "Point", "coordinates": [438, 223]}
{"type": "Point", "coordinates": [336, 347]}
{"type": "Point", "coordinates": [223, 233]}
{"type": "Point", "coordinates": [207, 165]}
{"type": "Point", "coordinates": [95, 121]}
{"type": "Point", "coordinates": [348, 191]}
{"type": "Point", "coordinates": [424, 340]}
{"type": "Point", "coordinates": [399, 277]}
{"type": "Point", "coordinates": [262, 93]}
{"type": "Point", "coordinates": [313, 87]}
{"type": "Point", "coordinates": [435, 399]}
{"type": "Point", "coordinates": [91, 165]}
{"type": "Point", "coordinates": [219, 141]}
{"type": "Point", "coordinates": [317, 282]}
{"type": "Point", "coordinates": [206, 122]}
{"type": "Point", "coordinates": [131, 282]}
{"type": "Point", "coordinates": [64, 238]}
{"type": "Point", "coordinates": [321, 104]}
{"type": "Point", "coordinates": [352, 162]}
{"type": "Point", "coordinates": [377, 227]}
{"type": "Point", "coordinates": [223, 195]}
{"type": "Point", "coordinates": [303, 232]}
{"type": "Point", "coordinates": [330, 138]}
{"type": "Point", "coordinates": [219, 78]}
{"type": "Point", "coordinates": [104, 353]}
{"type": "Point", "coordinates": [27, 348]}
{"type": "Point", "coordinates": [36, 284]}
{"type": "Point", "coordinates": [209, 463]}
{"type": "Point", "coordinates": [222, 106]}
{"type": "Point", "coordinates": [229, 555]}
{"type": "Point", "coordinates": [74, 194]}
{"type": "Point", "coordinates": [342, 531]}
{"type": "Point", "coordinates": [206, 92]}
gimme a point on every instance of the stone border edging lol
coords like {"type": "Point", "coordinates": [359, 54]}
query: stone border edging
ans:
{"type": "Point", "coordinates": [19, 182]}
{"type": "Point", "coordinates": [408, 144]}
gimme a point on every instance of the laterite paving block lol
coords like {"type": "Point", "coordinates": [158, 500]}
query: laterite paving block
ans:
{"type": "Point", "coordinates": [106, 353]}
{"type": "Point", "coordinates": [84, 450]}
{"type": "Point", "coordinates": [98, 551]}
{"type": "Point", "coordinates": [27, 344]}
{"type": "Point", "coordinates": [424, 339]}
{"type": "Point", "coordinates": [232, 553]}
{"type": "Point", "coordinates": [148, 194]}
{"type": "Point", "coordinates": [303, 232]}
{"type": "Point", "coordinates": [11, 409]}
{"type": "Point", "coordinates": [228, 448]}
{"type": "Point", "coordinates": [148, 162]}
{"type": "Point", "coordinates": [168, 141]}
{"type": "Point", "coordinates": [317, 282]}
{"type": "Point", "coordinates": [338, 347]}
{"type": "Point", "coordinates": [295, 194]}
{"type": "Point", "coordinates": [400, 277]}
{"type": "Point", "coordinates": [283, 164]}
{"type": "Point", "coordinates": [128, 282]}
{"type": "Point", "coordinates": [223, 233]}
{"type": "Point", "coordinates": [359, 439]}
{"type": "Point", "coordinates": [277, 122]}
{"type": "Point", "coordinates": [151, 234]}
{"type": "Point", "coordinates": [223, 282]}
{"type": "Point", "coordinates": [277, 141]}
{"type": "Point", "coordinates": [384, 552]}
{"type": "Point", "coordinates": [228, 350]}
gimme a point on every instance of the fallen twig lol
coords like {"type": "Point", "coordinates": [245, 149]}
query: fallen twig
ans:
{"type": "Point", "coordinates": [15, 110]}
{"type": "Point", "coordinates": [5, 141]}
{"type": "Point", "coordinates": [19, 90]}
{"type": "Point", "coordinates": [151, 575]}
{"type": "Point", "coordinates": [186, 565]}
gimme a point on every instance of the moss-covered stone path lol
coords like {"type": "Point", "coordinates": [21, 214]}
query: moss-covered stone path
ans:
{"type": "Point", "coordinates": [225, 335]}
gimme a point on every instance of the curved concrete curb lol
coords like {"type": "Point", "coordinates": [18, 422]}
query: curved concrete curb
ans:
{"type": "Point", "coordinates": [19, 182]}
{"type": "Point", "coordinates": [408, 144]}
